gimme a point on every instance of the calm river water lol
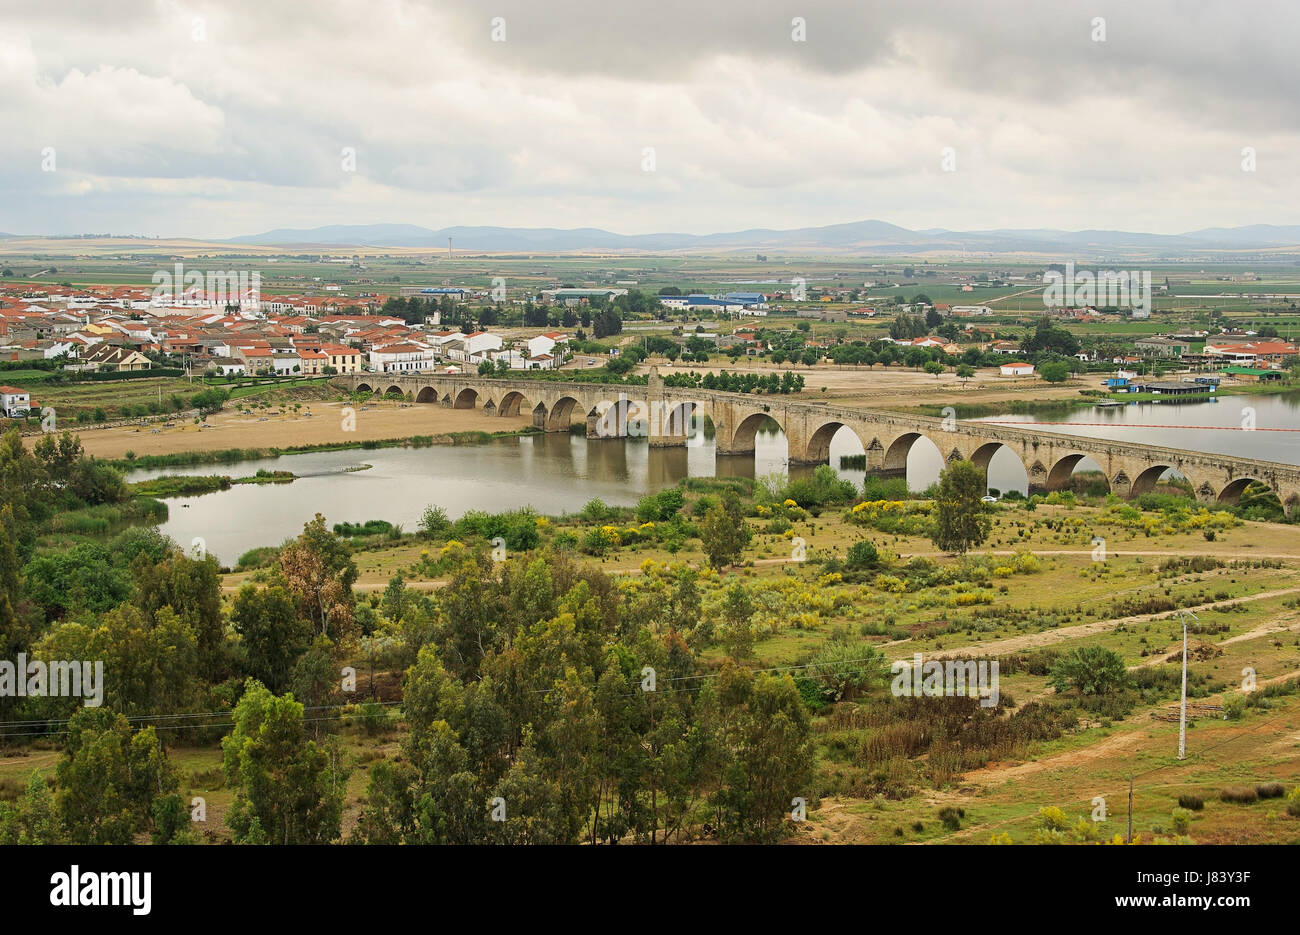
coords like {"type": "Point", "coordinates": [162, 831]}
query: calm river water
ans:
{"type": "Point", "coordinates": [559, 473]}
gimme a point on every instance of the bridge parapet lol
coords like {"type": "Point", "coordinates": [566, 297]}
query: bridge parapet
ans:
{"type": "Point", "coordinates": [887, 437]}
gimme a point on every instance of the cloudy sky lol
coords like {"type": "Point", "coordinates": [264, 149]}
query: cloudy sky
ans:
{"type": "Point", "coordinates": [225, 118]}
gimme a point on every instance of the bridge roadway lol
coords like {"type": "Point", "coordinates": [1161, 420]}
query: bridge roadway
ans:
{"type": "Point", "coordinates": [664, 414]}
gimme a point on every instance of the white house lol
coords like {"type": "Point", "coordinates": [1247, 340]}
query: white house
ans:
{"type": "Point", "coordinates": [473, 348]}
{"type": "Point", "coordinates": [286, 362]}
{"type": "Point", "coordinates": [1016, 370]}
{"type": "Point", "coordinates": [517, 360]}
{"type": "Point", "coordinates": [545, 343]}
{"type": "Point", "coordinates": [57, 348]}
{"type": "Point", "coordinates": [14, 402]}
{"type": "Point", "coordinates": [478, 343]}
{"type": "Point", "coordinates": [227, 366]}
{"type": "Point", "coordinates": [400, 358]}
{"type": "Point", "coordinates": [440, 339]}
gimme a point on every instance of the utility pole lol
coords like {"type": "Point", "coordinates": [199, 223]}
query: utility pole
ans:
{"type": "Point", "coordinates": [1182, 709]}
{"type": "Point", "coordinates": [1129, 839]}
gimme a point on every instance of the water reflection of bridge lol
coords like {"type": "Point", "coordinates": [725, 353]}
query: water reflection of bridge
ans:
{"type": "Point", "coordinates": [667, 417]}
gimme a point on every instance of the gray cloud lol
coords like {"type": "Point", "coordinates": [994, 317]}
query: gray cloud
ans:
{"type": "Point", "coordinates": [217, 119]}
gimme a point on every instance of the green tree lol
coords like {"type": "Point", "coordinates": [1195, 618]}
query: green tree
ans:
{"type": "Point", "coordinates": [149, 667]}
{"type": "Point", "coordinates": [109, 777]}
{"type": "Point", "coordinates": [766, 733]}
{"type": "Point", "coordinates": [288, 790]}
{"type": "Point", "coordinates": [961, 520]}
{"type": "Point", "coordinates": [1056, 371]}
{"type": "Point", "coordinates": [1089, 670]}
{"type": "Point", "coordinates": [34, 818]}
{"type": "Point", "coordinates": [272, 633]}
{"type": "Point", "coordinates": [724, 532]}
{"type": "Point", "coordinates": [737, 630]}
{"type": "Point", "coordinates": [192, 589]}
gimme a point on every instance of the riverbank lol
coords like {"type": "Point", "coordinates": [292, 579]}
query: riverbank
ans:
{"type": "Point", "coordinates": [234, 455]}
{"type": "Point", "coordinates": [318, 426]}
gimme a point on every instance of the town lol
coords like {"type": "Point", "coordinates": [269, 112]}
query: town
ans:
{"type": "Point", "coordinates": [132, 329]}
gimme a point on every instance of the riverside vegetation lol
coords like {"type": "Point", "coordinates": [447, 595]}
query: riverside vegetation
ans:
{"type": "Point", "coordinates": [691, 668]}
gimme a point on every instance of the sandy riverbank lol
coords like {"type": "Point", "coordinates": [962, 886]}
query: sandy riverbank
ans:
{"type": "Point", "coordinates": [324, 425]}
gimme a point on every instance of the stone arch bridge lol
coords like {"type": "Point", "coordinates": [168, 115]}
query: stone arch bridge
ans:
{"type": "Point", "coordinates": [664, 415]}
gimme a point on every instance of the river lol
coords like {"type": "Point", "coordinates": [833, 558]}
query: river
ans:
{"type": "Point", "coordinates": [559, 473]}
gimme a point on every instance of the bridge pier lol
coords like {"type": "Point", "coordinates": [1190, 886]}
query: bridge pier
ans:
{"type": "Point", "coordinates": [875, 453]}
{"type": "Point", "coordinates": [726, 443]}
{"type": "Point", "coordinates": [664, 418]}
{"type": "Point", "coordinates": [669, 424]}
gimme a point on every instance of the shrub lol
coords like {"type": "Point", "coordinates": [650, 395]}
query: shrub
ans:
{"type": "Point", "coordinates": [1293, 803]}
{"type": "Point", "coordinates": [863, 555]}
{"type": "Point", "coordinates": [257, 557]}
{"type": "Point", "coordinates": [845, 670]}
{"type": "Point", "coordinates": [1270, 790]}
{"type": "Point", "coordinates": [1091, 670]}
{"type": "Point", "coordinates": [434, 522]}
{"type": "Point", "coordinates": [951, 817]}
{"type": "Point", "coordinates": [373, 717]}
{"type": "Point", "coordinates": [661, 506]}
{"type": "Point", "coordinates": [1238, 794]}
{"type": "Point", "coordinates": [821, 488]}
{"type": "Point", "coordinates": [595, 510]}
{"type": "Point", "coordinates": [1052, 818]}
{"type": "Point", "coordinates": [1182, 819]}
{"type": "Point", "coordinates": [1193, 803]}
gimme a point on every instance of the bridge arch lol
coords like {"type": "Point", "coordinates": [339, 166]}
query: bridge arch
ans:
{"type": "Point", "coordinates": [678, 418]}
{"type": "Point", "coordinates": [742, 439]}
{"type": "Point", "coordinates": [984, 455]}
{"type": "Point", "coordinates": [363, 388]}
{"type": "Point", "coordinates": [1058, 477]}
{"type": "Point", "coordinates": [898, 450]}
{"type": "Point", "coordinates": [560, 416]}
{"type": "Point", "coordinates": [818, 450]}
{"type": "Point", "coordinates": [1146, 480]}
{"type": "Point", "coordinates": [619, 418]}
{"type": "Point", "coordinates": [394, 388]}
{"type": "Point", "coordinates": [427, 394]}
{"type": "Point", "coordinates": [467, 398]}
{"type": "Point", "coordinates": [1232, 491]}
{"type": "Point", "coordinates": [512, 403]}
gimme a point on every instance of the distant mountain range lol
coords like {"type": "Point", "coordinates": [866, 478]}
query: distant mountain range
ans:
{"type": "Point", "coordinates": [859, 236]}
